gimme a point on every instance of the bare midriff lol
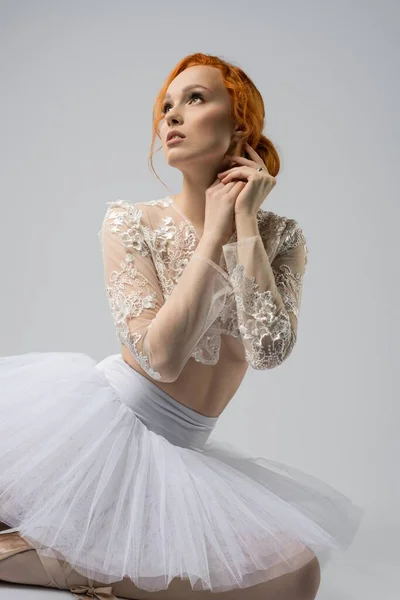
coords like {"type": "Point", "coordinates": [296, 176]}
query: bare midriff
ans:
{"type": "Point", "coordinates": [206, 389]}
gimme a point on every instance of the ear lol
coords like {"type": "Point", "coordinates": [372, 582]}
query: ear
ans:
{"type": "Point", "coordinates": [237, 142]}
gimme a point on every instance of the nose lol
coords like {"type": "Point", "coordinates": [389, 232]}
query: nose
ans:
{"type": "Point", "coordinates": [173, 116]}
{"type": "Point", "coordinates": [171, 122]}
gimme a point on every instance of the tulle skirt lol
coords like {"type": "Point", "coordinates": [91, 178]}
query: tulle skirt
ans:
{"type": "Point", "coordinates": [101, 468]}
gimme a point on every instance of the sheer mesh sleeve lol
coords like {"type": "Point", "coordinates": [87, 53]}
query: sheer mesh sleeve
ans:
{"type": "Point", "coordinates": [268, 297]}
{"type": "Point", "coordinates": [159, 333]}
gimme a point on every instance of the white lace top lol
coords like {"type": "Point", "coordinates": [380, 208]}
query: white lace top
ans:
{"type": "Point", "coordinates": [254, 293]}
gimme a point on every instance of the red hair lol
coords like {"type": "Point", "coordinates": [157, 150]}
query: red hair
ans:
{"type": "Point", "coordinates": [247, 107]}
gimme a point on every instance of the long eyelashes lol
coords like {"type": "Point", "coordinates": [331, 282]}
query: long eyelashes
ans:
{"type": "Point", "coordinates": [191, 96]}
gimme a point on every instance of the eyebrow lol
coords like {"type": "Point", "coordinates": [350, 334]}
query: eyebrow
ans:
{"type": "Point", "coordinates": [189, 87]}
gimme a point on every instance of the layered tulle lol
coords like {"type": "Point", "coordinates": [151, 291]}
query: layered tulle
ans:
{"type": "Point", "coordinates": [83, 479]}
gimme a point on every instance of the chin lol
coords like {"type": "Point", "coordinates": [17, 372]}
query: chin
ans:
{"type": "Point", "coordinates": [178, 158]}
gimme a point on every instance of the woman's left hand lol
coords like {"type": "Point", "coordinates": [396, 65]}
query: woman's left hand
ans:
{"type": "Point", "coordinates": [258, 186]}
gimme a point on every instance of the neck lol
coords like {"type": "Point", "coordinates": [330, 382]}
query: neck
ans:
{"type": "Point", "coordinates": [191, 201]}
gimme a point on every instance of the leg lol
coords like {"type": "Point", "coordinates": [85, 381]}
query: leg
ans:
{"type": "Point", "coordinates": [301, 584]}
{"type": "Point", "coordinates": [27, 568]}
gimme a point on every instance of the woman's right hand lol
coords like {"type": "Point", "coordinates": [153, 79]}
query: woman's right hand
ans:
{"type": "Point", "coordinates": [219, 219]}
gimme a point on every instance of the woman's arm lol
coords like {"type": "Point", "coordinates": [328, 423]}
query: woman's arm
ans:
{"type": "Point", "coordinates": [268, 296]}
{"type": "Point", "coordinates": [160, 335]}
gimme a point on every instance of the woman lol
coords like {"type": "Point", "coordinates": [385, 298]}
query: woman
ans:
{"type": "Point", "coordinates": [110, 469]}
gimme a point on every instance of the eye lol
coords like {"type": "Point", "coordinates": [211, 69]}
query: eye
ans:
{"type": "Point", "coordinates": [191, 96]}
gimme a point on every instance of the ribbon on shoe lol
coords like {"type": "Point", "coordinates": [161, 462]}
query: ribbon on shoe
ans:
{"type": "Point", "coordinates": [58, 573]}
{"type": "Point", "coordinates": [102, 593]}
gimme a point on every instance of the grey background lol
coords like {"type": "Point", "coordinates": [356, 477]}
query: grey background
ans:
{"type": "Point", "coordinates": [78, 82]}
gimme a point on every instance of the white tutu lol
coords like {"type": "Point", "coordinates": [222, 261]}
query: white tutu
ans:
{"type": "Point", "coordinates": [101, 468]}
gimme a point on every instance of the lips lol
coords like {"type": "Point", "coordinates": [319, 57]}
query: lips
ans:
{"type": "Point", "coordinates": [175, 140]}
{"type": "Point", "coordinates": [174, 133]}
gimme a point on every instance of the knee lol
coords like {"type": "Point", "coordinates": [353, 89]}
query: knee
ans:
{"type": "Point", "coordinates": [310, 579]}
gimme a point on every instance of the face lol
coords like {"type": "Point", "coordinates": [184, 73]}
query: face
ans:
{"type": "Point", "coordinates": [202, 115]}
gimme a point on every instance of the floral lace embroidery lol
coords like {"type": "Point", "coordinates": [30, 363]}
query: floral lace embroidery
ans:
{"type": "Point", "coordinates": [268, 328]}
{"type": "Point", "coordinates": [123, 305]}
{"type": "Point", "coordinates": [171, 248]}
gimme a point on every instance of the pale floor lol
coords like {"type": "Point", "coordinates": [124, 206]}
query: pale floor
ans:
{"type": "Point", "coordinates": [369, 570]}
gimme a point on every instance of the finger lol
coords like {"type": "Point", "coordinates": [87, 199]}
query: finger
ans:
{"type": "Point", "coordinates": [228, 186]}
{"type": "Point", "coordinates": [255, 156]}
{"type": "Point", "coordinates": [235, 174]}
{"type": "Point", "coordinates": [218, 186]}
{"type": "Point", "coordinates": [245, 161]}
{"type": "Point", "coordinates": [225, 172]}
{"type": "Point", "coordinates": [218, 180]}
{"type": "Point", "coordinates": [233, 170]}
{"type": "Point", "coordinates": [231, 187]}
{"type": "Point", "coordinates": [216, 183]}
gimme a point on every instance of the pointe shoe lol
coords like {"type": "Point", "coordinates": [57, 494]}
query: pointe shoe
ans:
{"type": "Point", "coordinates": [20, 563]}
{"type": "Point", "coordinates": [11, 544]}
